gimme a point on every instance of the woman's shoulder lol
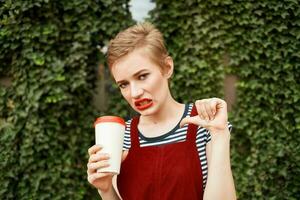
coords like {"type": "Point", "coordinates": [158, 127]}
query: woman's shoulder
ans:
{"type": "Point", "coordinates": [188, 110]}
{"type": "Point", "coordinates": [127, 124]}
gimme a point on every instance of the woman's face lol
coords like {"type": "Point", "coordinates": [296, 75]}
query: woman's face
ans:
{"type": "Point", "coordinates": [142, 82]}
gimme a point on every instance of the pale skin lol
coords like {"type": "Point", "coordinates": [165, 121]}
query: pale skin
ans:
{"type": "Point", "coordinates": [212, 115]}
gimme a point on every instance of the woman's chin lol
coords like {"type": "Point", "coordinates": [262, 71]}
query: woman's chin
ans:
{"type": "Point", "coordinates": [146, 112]}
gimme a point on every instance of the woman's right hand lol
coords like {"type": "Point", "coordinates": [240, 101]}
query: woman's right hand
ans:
{"type": "Point", "coordinates": [100, 180]}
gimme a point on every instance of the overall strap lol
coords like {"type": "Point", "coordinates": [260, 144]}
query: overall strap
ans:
{"type": "Point", "coordinates": [192, 128]}
{"type": "Point", "coordinates": [134, 133]}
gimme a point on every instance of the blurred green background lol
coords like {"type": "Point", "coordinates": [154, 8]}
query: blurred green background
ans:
{"type": "Point", "coordinates": [54, 82]}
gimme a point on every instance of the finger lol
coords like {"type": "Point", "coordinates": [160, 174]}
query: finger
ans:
{"type": "Point", "coordinates": [93, 177]}
{"type": "Point", "coordinates": [213, 106]}
{"type": "Point", "coordinates": [208, 110]}
{"type": "Point", "coordinates": [124, 155]}
{"type": "Point", "coordinates": [220, 103]}
{"type": "Point", "coordinates": [203, 111]}
{"type": "Point", "coordinates": [198, 105]}
{"type": "Point", "coordinates": [95, 148]}
{"type": "Point", "coordinates": [94, 166]}
{"type": "Point", "coordinates": [98, 157]}
{"type": "Point", "coordinates": [193, 120]}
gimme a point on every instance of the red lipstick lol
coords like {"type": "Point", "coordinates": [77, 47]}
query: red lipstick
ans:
{"type": "Point", "coordinates": [143, 104]}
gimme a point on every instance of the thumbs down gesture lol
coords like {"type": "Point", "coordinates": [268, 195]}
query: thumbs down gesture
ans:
{"type": "Point", "coordinates": [212, 115]}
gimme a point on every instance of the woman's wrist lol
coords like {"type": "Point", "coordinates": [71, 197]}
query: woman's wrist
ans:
{"type": "Point", "coordinates": [109, 193]}
{"type": "Point", "coordinates": [105, 191]}
{"type": "Point", "coordinates": [220, 134]}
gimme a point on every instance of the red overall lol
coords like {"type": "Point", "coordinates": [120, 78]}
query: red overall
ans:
{"type": "Point", "coordinates": [171, 171]}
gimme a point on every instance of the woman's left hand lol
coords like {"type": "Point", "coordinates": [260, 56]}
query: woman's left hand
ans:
{"type": "Point", "coordinates": [212, 115]}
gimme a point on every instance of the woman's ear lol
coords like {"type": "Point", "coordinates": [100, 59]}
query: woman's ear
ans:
{"type": "Point", "coordinates": [168, 72]}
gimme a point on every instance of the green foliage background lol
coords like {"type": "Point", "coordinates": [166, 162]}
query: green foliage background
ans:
{"type": "Point", "coordinates": [49, 50]}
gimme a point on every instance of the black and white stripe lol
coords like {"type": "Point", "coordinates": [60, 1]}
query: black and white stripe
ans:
{"type": "Point", "coordinates": [177, 135]}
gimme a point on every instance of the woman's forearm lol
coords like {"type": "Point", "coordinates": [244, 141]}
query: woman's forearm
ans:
{"type": "Point", "coordinates": [220, 184]}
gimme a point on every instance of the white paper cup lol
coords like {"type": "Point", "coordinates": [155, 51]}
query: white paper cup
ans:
{"type": "Point", "coordinates": [109, 132]}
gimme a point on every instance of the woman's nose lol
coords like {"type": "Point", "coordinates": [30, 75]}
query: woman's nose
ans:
{"type": "Point", "coordinates": [136, 91]}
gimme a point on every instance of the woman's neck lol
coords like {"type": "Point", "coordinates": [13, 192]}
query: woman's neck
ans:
{"type": "Point", "coordinates": [170, 109]}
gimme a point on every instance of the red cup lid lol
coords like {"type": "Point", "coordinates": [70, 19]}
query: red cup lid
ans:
{"type": "Point", "coordinates": [109, 119]}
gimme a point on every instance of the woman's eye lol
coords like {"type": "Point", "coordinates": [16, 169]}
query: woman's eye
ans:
{"type": "Point", "coordinates": [122, 85]}
{"type": "Point", "coordinates": [143, 76]}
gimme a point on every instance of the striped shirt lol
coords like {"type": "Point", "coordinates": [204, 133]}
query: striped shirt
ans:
{"type": "Point", "coordinates": [177, 134]}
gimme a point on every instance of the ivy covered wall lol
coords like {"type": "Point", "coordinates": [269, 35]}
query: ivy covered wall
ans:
{"type": "Point", "coordinates": [49, 59]}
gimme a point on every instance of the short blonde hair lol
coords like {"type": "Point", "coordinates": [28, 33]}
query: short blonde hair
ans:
{"type": "Point", "coordinates": [143, 35]}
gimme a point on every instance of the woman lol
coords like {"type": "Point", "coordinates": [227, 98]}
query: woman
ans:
{"type": "Point", "coordinates": [172, 150]}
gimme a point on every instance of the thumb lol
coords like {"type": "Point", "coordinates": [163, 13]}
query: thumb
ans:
{"type": "Point", "coordinates": [193, 120]}
{"type": "Point", "coordinates": [124, 155]}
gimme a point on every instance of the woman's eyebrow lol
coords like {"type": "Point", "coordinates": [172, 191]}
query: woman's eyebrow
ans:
{"type": "Point", "coordinates": [134, 75]}
{"type": "Point", "coordinates": [120, 82]}
{"type": "Point", "coordinates": [139, 72]}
